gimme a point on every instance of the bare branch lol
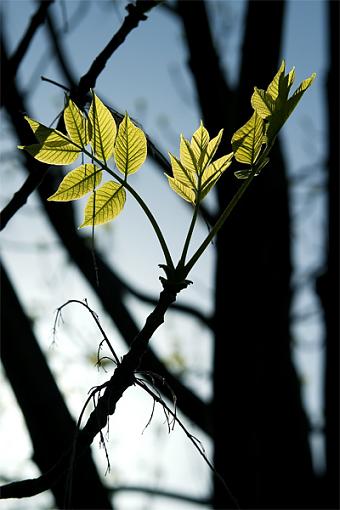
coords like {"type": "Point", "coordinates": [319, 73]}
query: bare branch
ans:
{"type": "Point", "coordinates": [37, 19]}
{"type": "Point", "coordinates": [187, 309]}
{"type": "Point", "coordinates": [136, 13]}
{"type": "Point", "coordinates": [123, 378]}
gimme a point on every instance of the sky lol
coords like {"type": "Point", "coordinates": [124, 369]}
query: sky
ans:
{"type": "Point", "coordinates": [148, 77]}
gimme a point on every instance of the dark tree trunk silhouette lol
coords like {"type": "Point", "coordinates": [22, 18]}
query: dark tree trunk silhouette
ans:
{"type": "Point", "coordinates": [259, 421]}
{"type": "Point", "coordinates": [259, 428]}
{"type": "Point", "coordinates": [328, 283]}
{"type": "Point", "coordinates": [47, 418]}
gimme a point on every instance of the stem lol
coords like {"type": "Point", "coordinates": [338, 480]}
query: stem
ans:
{"type": "Point", "coordinates": [219, 223]}
{"type": "Point", "coordinates": [189, 235]}
{"type": "Point", "coordinates": [143, 205]}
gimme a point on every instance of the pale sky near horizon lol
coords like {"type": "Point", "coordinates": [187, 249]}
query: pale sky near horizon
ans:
{"type": "Point", "coordinates": [148, 77]}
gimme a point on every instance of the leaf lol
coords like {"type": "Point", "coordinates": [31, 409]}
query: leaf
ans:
{"type": "Point", "coordinates": [77, 126]}
{"type": "Point", "coordinates": [104, 204]}
{"type": "Point", "coordinates": [199, 143]}
{"type": "Point", "coordinates": [183, 191]}
{"type": "Point", "coordinates": [45, 134]}
{"type": "Point", "coordinates": [262, 103]}
{"type": "Point", "coordinates": [244, 174]}
{"type": "Point", "coordinates": [54, 153]}
{"type": "Point", "coordinates": [130, 147]}
{"type": "Point", "coordinates": [77, 183]}
{"type": "Point", "coordinates": [213, 146]}
{"type": "Point", "coordinates": [187, 156]}
{"type": "Point", "coordinates": [181, 173]}
{"type": "Point", "coordinates": [274, 86]}
{"type": "Point", "coordinates": [104, 129]}
{"type": "Point", "coordinates": [214, 172]}
{"type": "Point", "coordinates": [293, 101]}
{"type": "Point", "coordinates": [248, 140]}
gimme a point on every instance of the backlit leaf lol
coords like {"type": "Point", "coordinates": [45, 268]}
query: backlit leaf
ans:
{"type": "Point", "coordinates": [199, 142]}
{"type": "Point", "coordinates": [77, 125]}
{"type": "Point", "coordinates": [45, 134]}
{"type": "Point", "coordinates": [248, 140]}
{"type": "Point", "coordinates": [274, 86]}
{"type": "Point", "coordinates": [130, 147]}
{"type": "Point", "coordinates": [54, 153]}
{"type": "Point", "coordinates": [187, 156]}
{"type": "Point", "coordinates": [104, 204]}
{"type": "Point", "coordinates": [244, 174]}
{"type": "Point", "coordinates": [262, 103]}
{"type": "Point", "coordinates": [212, 147]}
{"type": "Point", "coordinates": [77, 183]}
{"type": "Point", "coordinates": [182, 190]}
{"type": "Point", "coordinates": [104, 129]}
{"type": "Point", "coordinates": [293, 101]}
{"type": "Point", "coordinates": [214, 172]}
{"type": "Point", "coordinates": [181, 173]}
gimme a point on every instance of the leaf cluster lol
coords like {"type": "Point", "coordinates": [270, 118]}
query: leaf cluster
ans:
{"type": "Point", "coordinates": [94, 134]}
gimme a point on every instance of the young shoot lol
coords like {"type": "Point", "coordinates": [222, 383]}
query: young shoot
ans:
{"type": "Point", "coordinates": [95, 135]}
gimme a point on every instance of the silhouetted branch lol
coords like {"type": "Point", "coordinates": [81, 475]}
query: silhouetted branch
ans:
{"type": "Point", "coordinates": [110, 291]}
{"type": "Point", "coordinates": [187, 309]}
{"type": "Point", "coordinates": [136, 13]}
{"type": "Point", "coordinates": [160, 493]}
{"type": "Point", "coordinates": [42, 405]}
{"type": "Point", "coordinates": [122, 378]}
{"type": "Point", "coordinates": [37, 19]}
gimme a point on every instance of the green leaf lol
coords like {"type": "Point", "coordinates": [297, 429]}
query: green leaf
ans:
{"type": "Point", "coordinates": [212, 148]}
{"type": "Point", "coordinates": [293, 101]}
{"type": "Point", "coordinates": [54, 153]}
{"type": "Point", "coordinates": [248, 140]}
{"type": "Point", "coordinates": [199, 143]}
{"type": "Point", "coordinates": [213, 172]}
{"type": "Point", "coordinates": [104, 129]}
{"type": "Point", "coordinates": [244, 174]}
{"type": "Point", "coordinates": [77, 183]}
{"type": "Point", "coordinates": [262, 103]}
{"type": "Point", "coordinates": [77, 126]}
{"type": "Point", "coordinates": [274, 87]}
{"type": "Point", "coordinates": [45, 134]}
{"type": "Point", "coordinates": [187, 156]}
{"type": "Point", "coordinates": [104, 204]}
{"type": "Point", "coordinates": [183, 191]}
{"type": "Point", "coordinates": [130, 147]}
{"type": "Point", "coordinates": [181, 173]}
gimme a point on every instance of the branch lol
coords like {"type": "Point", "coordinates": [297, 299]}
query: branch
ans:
{"type": "Point", "coordinates": [136, 13]}
{"type": "Point", "coordinates": [123, 377]}
{"type": "Point", "coordinates": [110, 292]}
{"type": "Point", "coordinates": [187, 309]}
{"type": "Point", "coordinates": [79, 93]}
{"type": "Point", "coordinates": [160, 493]}
{"type": "Point", "coordinates": [37, 19]}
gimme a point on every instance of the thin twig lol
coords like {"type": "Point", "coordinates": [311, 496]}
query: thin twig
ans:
{"type": "Point", "coordinates": [197, 444]}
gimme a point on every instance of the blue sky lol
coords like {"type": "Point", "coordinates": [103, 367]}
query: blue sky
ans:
{"type": "Point", "coordinates": [148, 77]}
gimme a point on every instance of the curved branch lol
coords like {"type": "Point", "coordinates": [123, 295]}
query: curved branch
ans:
{"type": "Point", "coordinates": [37, 19]}
{"type": "Point", "coordinates": [136, 13]}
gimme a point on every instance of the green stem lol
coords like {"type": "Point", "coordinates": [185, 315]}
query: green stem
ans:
{"type": "Point", "coordinates": [189, 235]}
{"type": "Point", "coordinates": [219, 223]}
{"type": "Point", "coordinates": [143, 205]}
